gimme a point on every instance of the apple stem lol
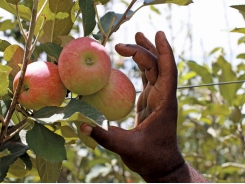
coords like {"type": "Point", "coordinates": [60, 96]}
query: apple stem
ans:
{"type": "Point", "coordinates": [23, 69]}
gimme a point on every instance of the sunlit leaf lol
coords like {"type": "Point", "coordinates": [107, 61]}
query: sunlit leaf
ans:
{"type": "Point", "coordinates": [241, 40]}
{"type": "Point", "coordinates": [241, 56]}
{"type": "Point", "coordinates": [239, 7]}
{"type": "Point", "coordinates": [227, 74]}
{"type": "Point", "coordinates": [3, 45]}
{"type": "Point", "coordinates": [154, 9]}
{"type": "Point", "coordinates": [14, 54]}
{"type": "Point", "coordinates": [238, 30]}
{"type": "Point", "coordinates": [58, 20]}
{"type": "Point", "coordinates": [88, 141]}
{"type": "Point", "coordinates": [4, 82]}
{"type": "Point", "coordinates": [48, 171]}
{"type": "Point", "coordinates": [67, 132]}
{"type": "Point", "coordinates": [235, 115]}
{"type": "Point", "coordinates": [202, 72]}
{"type": "Point", "coordinates": [7, 25]}
{"type": "Point", "coordinates": [88, 15]}
{"type": "Point", "coordinates": [65, 40]}
{"type": "Point", "coordinates": [17, 169]}
{"type": "Point", "coordinates": [216, 109]}
{"type": "Point", "coordinates": [25, 12]}
{"type": "Point", "coordinates": [231, 167]}
{"type": "Point", "coordinates": [46, 143]}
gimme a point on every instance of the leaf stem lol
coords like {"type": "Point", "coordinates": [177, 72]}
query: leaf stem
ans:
{"type": "Point", "coordinates": [99, 23]}
{"type": "Point", "coordinates": [123, 19]}
{"type": "Point", "coordinates": [20, 24]}
{"type": "Point", "coordinates": [41, 10]}
{"type": "Point", "coordinates": [107, 35]}
{"type": "Point", "coordinates": [23, 69]}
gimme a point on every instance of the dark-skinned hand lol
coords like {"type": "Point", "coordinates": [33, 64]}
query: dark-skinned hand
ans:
{"type": "Point", "coordinates": [150, 148]}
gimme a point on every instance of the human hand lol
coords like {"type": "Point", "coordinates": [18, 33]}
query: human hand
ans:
{"type": "Point", "coordinates": [151, 148]}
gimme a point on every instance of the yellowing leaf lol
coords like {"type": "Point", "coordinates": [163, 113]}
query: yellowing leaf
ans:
{"type": "Point", "coordinates": [58, 20]}
{"type": "Point", "coordinates": [4, 82]}
{"type": "Point", "coordinates": [25, 12]}
{"type": "Point", "coordinates": [67, 133]}
{"type": "Point", "coordinates": [14, 54]}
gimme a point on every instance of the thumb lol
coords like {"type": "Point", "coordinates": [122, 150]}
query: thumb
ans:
{"type": "Point", "coordinates": [115, 139]}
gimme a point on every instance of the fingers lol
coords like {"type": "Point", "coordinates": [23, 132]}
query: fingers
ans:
{"type": "Point", "coordinates": [146, 61]}
{"type": "Point", "coordinates": [115, 139]}
{"type": "Point", "coordinates": [167, 78]}
{"type": "Point", "coordinates": [144, 42]}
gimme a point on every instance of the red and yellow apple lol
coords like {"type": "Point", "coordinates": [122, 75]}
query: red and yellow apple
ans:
{"type": "Point", "coordinates": [116, 99]}
{"type": "Point", "coordinates": [84, 66]}
{"type": "Point", "coordinates": [41, 87]}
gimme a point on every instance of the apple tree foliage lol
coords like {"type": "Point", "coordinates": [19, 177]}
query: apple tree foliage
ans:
{"type": "Point", "coordinates": [45, 26]}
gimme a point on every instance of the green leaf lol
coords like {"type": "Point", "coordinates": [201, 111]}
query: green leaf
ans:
{"type": "Point", "coordinates": [239, 7]}
{"type": "Point", "coordinates": [231, 167]}
{"type": "Point", "coordinates": [238, 30]}
{"type": "Point", "coordinates": [88, 15]}
{"type": "Point", "coordinates": [178, 2]}
{"type": "Point", "coordinates": [227, 74]}
{"type": "Point", "coordinates": [7, 24]}
{"type": "Point", "coordinates": [106, 22]}
{"type": "Point", "coordinates": [48, 171]}
{"type": "Point", "coordinates": [241, 56]}
{"type": "Point", "coordinates": [74, 111]}
{"type": "Point", "coordinates": [154, 9]}
{"type": "Point", "coordinates": [216, 109]}
{"type": "Point", "coordinates": [46, 143]}
{"type": "Point", "coordinates": [4, 82]}
{"type": "Point", "coordinates": [202, 72]}
{"type": "Point", "coordinates": [67, 132]}
{"type": "Point", "coordinates": [17, 169]}
{"type": "Point", "coordinates": [25, 12]}
{"type": "Point", "coordinates": [58, 22]}
{"type": "Point", "coordinates": [3, 45]}
{"type": "Point", "coordinates": [52, 49]}
{"type": "Point", "coordinates": [16, 149]}
{"type": "Point", "coordinates": [13, 1]}
{"type": "Point", "coordinates": [88, 141]}
{"type": "Point", "coordinates": [241, 40]}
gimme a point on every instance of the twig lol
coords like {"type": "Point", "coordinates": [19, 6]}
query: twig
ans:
{"type": "Point", "coordinates": [17, 128]}
{"type": "Point", "coordinates": [122, 19]}
{"type": "Point", "coordinates": [23, 69]}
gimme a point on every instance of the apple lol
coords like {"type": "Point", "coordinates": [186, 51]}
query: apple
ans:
{"type": "Point", "coordinates": [84, 66]}
{"type": "Point", "coordinates": [41, 87]}
{"type": "Point", "coordinates": [116, 99]}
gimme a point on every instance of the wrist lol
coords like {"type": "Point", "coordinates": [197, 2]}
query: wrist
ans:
{"type": "Point", "coordinates": [183, 173]}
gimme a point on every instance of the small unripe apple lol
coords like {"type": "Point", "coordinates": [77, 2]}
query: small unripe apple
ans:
{"type": "Point", "coordinates": [116, 99]}
{"type": "Point", "coordinates": [41, 87]}
{"type": "Point", "coordinates": [84, 66]}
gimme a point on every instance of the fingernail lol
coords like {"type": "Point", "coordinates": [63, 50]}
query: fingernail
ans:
{"type": "Point", "coordinates": [122, 44]}
{"type": "Point", "coordinates": [86, 129]}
